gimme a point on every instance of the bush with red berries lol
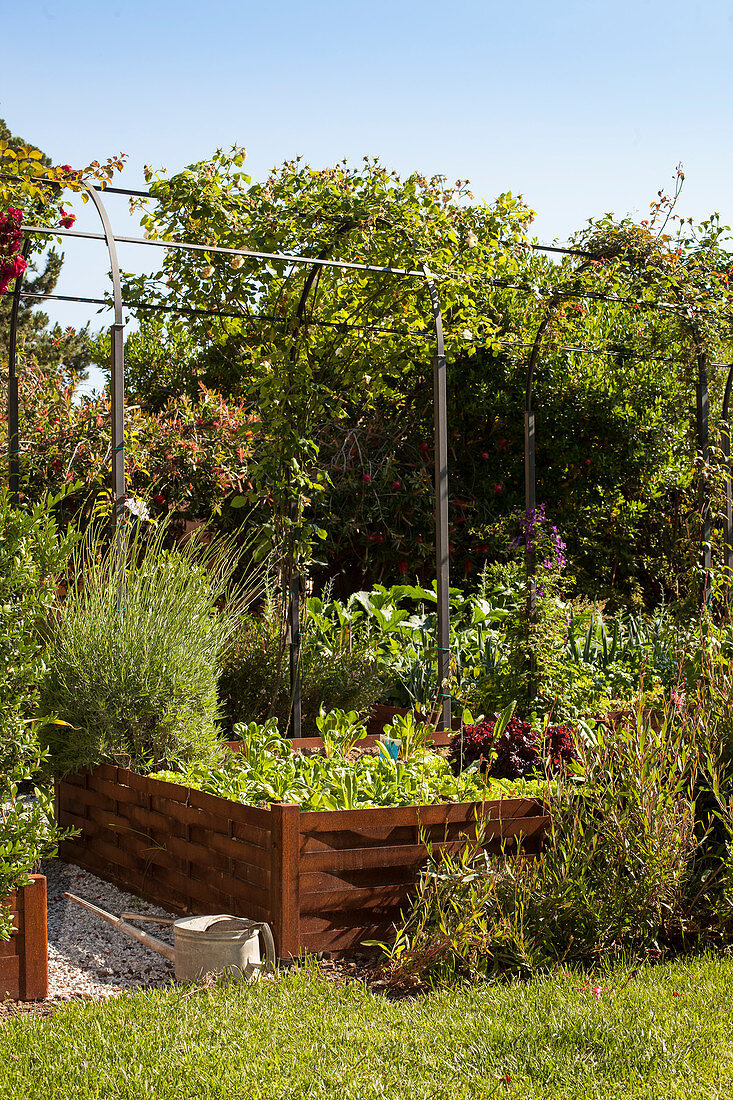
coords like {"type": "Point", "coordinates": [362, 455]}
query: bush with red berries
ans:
{"type": "Point", "coordinates": [519, 750]}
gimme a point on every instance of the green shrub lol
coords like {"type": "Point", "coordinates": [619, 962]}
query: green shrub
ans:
{"type": "Point", "coordinates": [135, 651]}
{"type": "Point", "coordinates": [254, 677]}
{"type": "Point", "coordinates": [626, 868]}
{"type": "Point", "coordinates": [349, 679]}
{"type": "Point", "coordinates": [32, 554]}
{"type": "Point", "coordinates": [255, 680]}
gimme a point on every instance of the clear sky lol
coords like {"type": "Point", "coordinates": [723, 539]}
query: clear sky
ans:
{"type": "Point", "coordinates": [581, 107]}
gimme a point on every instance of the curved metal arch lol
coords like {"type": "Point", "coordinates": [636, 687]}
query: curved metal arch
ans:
{"type": "Point", "coordinates": [442, 537]}
{"type": "Point", "coordinates": [530, 447]}
{"type": "Point", "coordinates": [117, 369]}
{"type": "Point", "coordinates": [13, 397]}
{"type": "Point", "coordinates": [702, 426]}
{"type": "Point", "coordinates": [294, 580]}
{"type": "Point", "coordinates": [117, 363]}
{"type": "Point", "coordinates": [440, 420]}
{"type": "Point", "coordinates": [703, 449]}
{"type": "Point", "coordinates": [703, 445]}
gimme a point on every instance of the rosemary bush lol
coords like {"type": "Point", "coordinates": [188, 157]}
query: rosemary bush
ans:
{"type": "Point", "coordinates": [135, 651]}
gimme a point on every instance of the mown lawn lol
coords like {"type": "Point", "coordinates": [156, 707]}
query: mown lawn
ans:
{"type": "Point", "coordinates": [666, 1031]}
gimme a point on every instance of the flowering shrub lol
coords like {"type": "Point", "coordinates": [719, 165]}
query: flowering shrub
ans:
{"type": "Point", "coordinates": [541, 539]}
{"type": "Point", "coordinates": [29, 178]}
{"type": "Point", "coordinates": [12, 264]}
{"type": "Point", "coordinates": [184, 460]}
{"type": "Point", "coordinates": [518, 750]}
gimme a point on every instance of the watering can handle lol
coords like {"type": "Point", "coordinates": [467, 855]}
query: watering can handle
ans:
{"type": "Point", "coordinates": [270, 962]}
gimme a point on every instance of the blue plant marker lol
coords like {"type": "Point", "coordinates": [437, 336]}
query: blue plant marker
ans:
{"type": "Point", "coordinates": [393, 746]}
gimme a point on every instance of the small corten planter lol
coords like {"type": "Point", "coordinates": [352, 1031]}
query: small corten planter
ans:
{"type": "Point", "coordinates": [24, 957]}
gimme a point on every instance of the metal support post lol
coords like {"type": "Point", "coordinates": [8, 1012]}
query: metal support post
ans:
{"type": "Point", "coordinates": [13, 418]}
{"type": "Point", "coordinates": [294, 636]}
{"type": "Point", "coordinates": [725, 443]}
{"type": "Point", "coordinates": [530, 506]}
{"type": "Point", "coordinates": [442, 545]}
{"type": "Point", "coordinates": [703, 444]}
{"type": "Point", "coordinates": [117, 399]}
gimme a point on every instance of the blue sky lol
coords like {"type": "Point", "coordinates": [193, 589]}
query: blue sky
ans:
{"type": "Point", "coordinates": [581, 107]}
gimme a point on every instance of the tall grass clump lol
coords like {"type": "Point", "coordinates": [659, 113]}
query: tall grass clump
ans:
{"type": "Point", "coordinates": [134, 652]}
{"type": "Point", "coordinates": [635, 861]}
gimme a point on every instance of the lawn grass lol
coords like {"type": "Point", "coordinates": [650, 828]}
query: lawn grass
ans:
{"type": "Point", "coordinates": [665, 1031]}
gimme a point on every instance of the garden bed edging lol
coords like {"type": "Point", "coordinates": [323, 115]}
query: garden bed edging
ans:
{"type": "Point", "coordinates": [24, 957]}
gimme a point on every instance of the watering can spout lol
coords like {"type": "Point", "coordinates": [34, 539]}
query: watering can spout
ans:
{"type": "Point", "coordinates": [152, 942]}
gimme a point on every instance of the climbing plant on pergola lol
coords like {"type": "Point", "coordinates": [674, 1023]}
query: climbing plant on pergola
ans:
{"type": "Point", "coordinates": [628, 270]}
{"type": "Point", "coordinates": [293, 329]}
{"type": "Point", "coordinates": [638, 267]}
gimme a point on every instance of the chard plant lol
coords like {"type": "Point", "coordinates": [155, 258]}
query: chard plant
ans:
{"type": "Point", "coordinates": [269, 771]}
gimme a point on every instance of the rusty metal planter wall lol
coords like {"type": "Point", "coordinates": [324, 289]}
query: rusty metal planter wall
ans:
{"type": "Point", "coordinates": [326, 881]}
{"type": "Point", "coordinates": [24, 957]}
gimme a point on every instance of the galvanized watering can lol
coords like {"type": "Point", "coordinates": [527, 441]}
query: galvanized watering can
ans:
{"type": "Point", "coordinates": [216, 944]}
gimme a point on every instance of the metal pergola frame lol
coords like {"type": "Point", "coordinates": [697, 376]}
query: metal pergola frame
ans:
{"type": "Point", "coordinates": [117, 402]}
{"type": "Point", "coordinates": [317, 264]}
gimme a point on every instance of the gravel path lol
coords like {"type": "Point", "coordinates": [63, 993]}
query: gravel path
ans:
{"type": "Point", "coordinates": [88, 958]}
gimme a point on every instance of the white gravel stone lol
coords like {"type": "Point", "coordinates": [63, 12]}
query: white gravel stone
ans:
{"type": "Point", "coordinates": [88, 958]}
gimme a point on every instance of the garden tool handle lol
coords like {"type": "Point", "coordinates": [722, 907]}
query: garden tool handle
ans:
{"type": "Point", "coordinates": [146, 916]}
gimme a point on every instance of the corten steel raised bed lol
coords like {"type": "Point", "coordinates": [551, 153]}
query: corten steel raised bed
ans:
{"type": "Point", "coordinates": [325, 880]}
{"type": "Point", "coordinates": [24, 957]}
